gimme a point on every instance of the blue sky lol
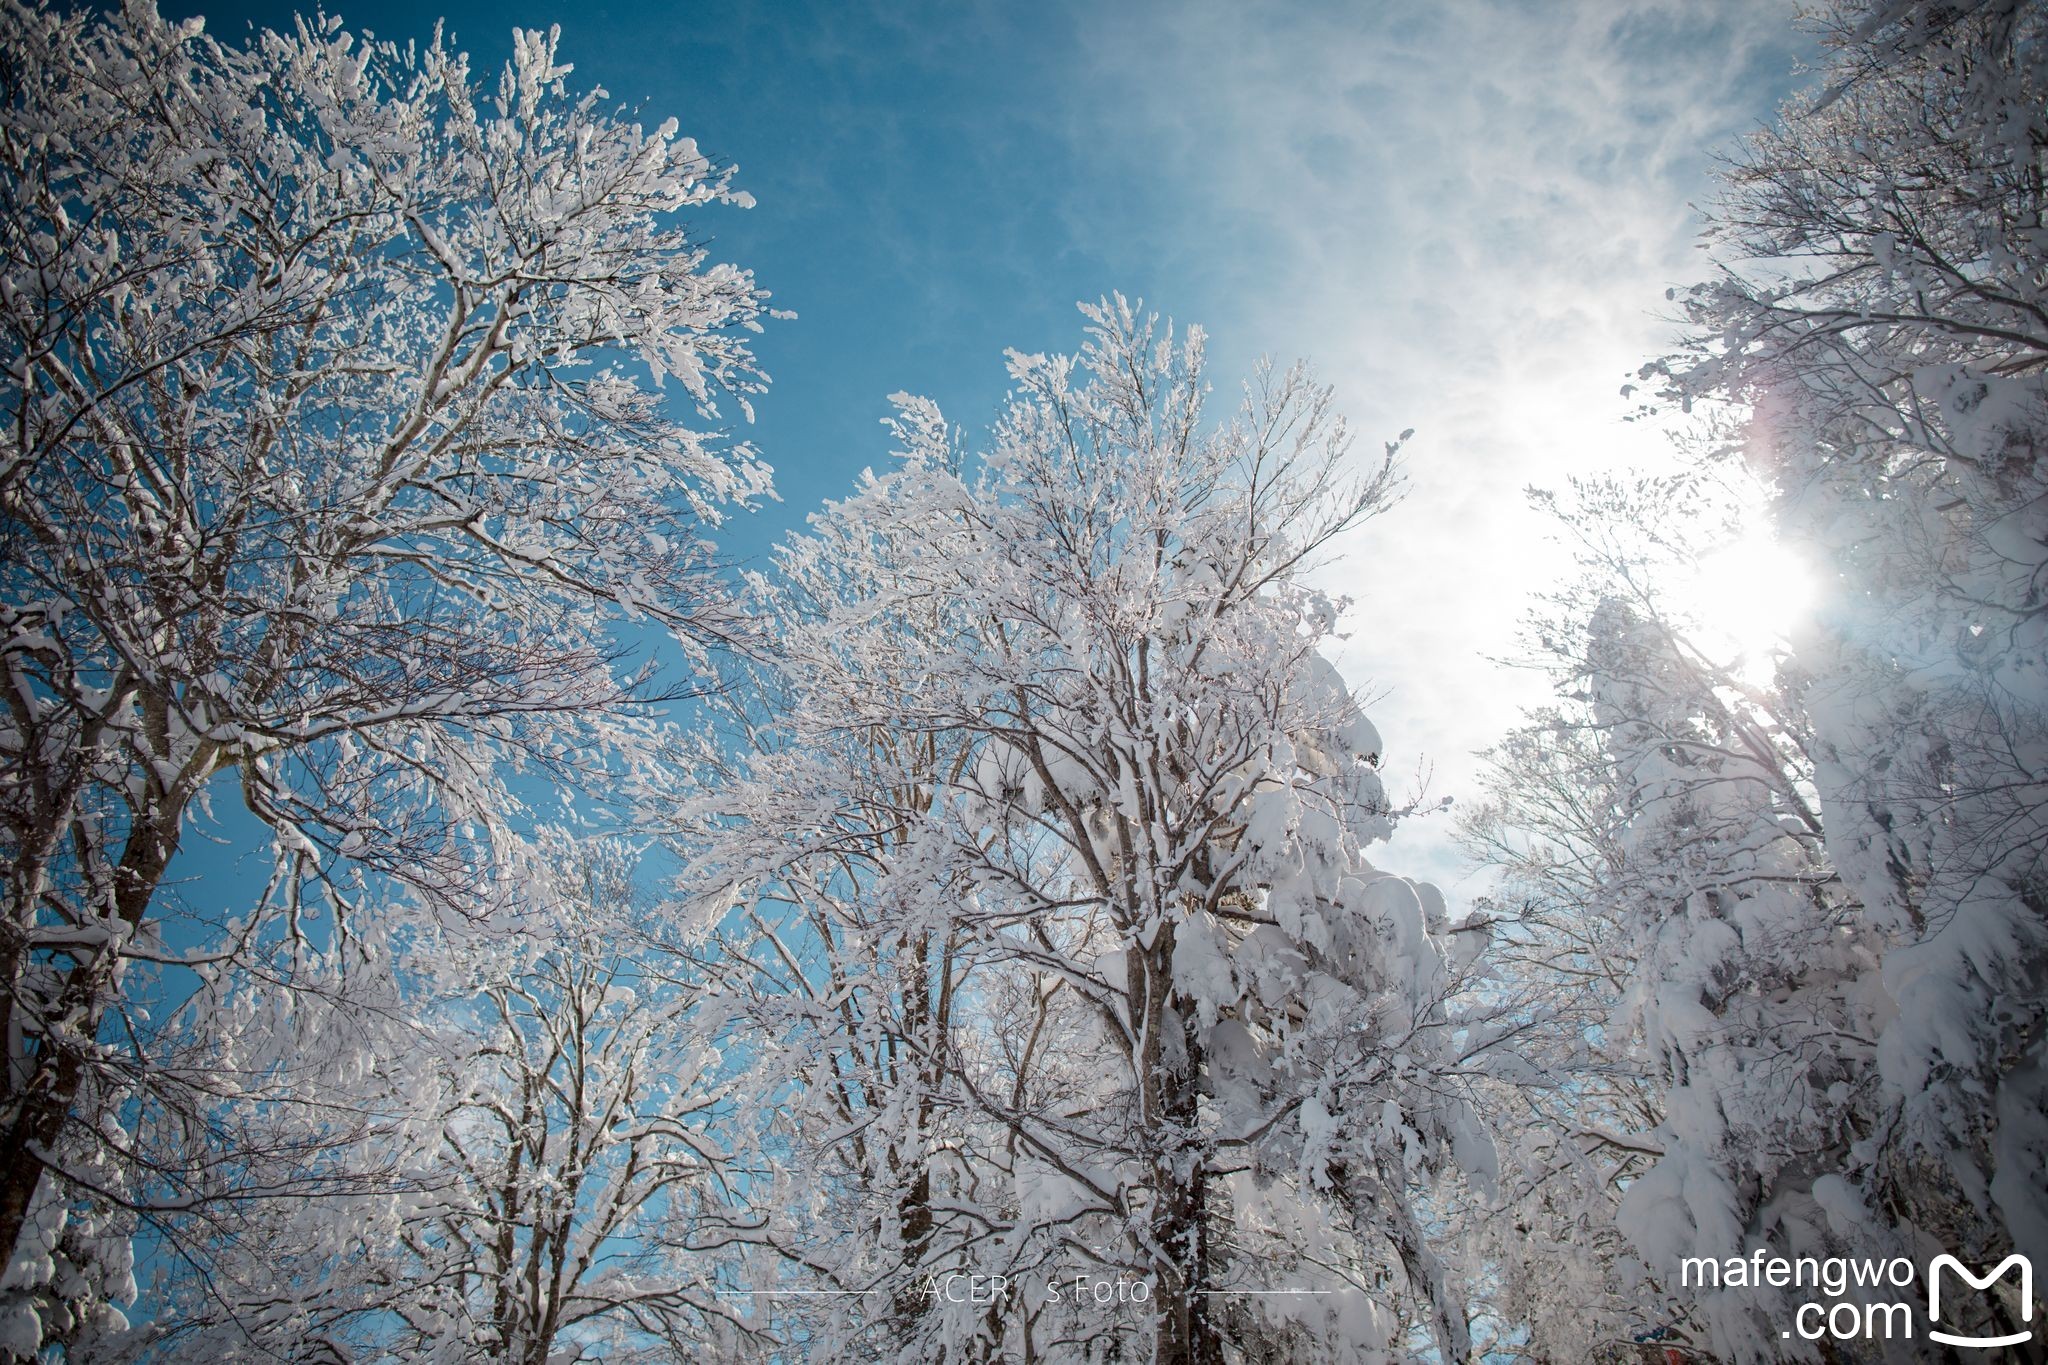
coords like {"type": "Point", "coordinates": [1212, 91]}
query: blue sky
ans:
{"type": "Point", "coordinates": [1464, 214]}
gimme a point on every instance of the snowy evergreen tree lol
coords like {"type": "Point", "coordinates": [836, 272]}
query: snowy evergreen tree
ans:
{"type": "Point", "coordinates": [1712, 984]}
{"type": "Point", "coordinates": [1881, 324]}
{"type": "Point", "coordinates": [1824, 879]}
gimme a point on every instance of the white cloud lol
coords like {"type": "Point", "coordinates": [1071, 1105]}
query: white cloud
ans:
{"type": "Point", "coordinates": [1466, 216]}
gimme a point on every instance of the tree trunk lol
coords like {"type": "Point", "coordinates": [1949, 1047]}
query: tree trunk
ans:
{"type": "Point", "coordinates": [1185, 1331]}
{"type": "Point", "coordinates": [45, 1099]}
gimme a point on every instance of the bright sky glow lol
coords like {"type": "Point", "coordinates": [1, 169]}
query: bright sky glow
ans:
{"type": "Point", "coordinates": [1749, 596]}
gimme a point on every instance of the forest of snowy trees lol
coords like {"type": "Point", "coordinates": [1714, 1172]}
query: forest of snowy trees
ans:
{"type": "Point", "coordinates": [977, 932]}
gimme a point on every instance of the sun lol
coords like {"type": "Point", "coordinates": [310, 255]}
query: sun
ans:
{"type": "Point", "coordinates": [1747, 596]}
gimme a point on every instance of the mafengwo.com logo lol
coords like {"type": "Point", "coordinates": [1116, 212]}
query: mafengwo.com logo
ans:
{"type": "Point", "coordinates": [1965, 1310]}
{"type": "Point", "coordinates": [1950, 1263]}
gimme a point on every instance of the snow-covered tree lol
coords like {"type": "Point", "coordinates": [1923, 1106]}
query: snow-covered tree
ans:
{"type": "Point", "coordinates": [1813, 893]}
{"type": "Point", "coordinates": [334, 451]}
{"type": "Point", "coordinates": [548, 1120]}
{"type": "Point", "coordinates": [1058, 735]}
{"type": "Point", "coordinates": [1881, 322]}
{"type": "Point", "coordinates": [1709, 989]}
{"type": "Point", "coordinates": [1575, 1115]}
{"type": "Point", "coordinates": [838, 944]}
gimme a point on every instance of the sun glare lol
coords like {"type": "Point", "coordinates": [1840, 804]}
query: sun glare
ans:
{"type": "Point", "coordinates": [1748, 596]}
